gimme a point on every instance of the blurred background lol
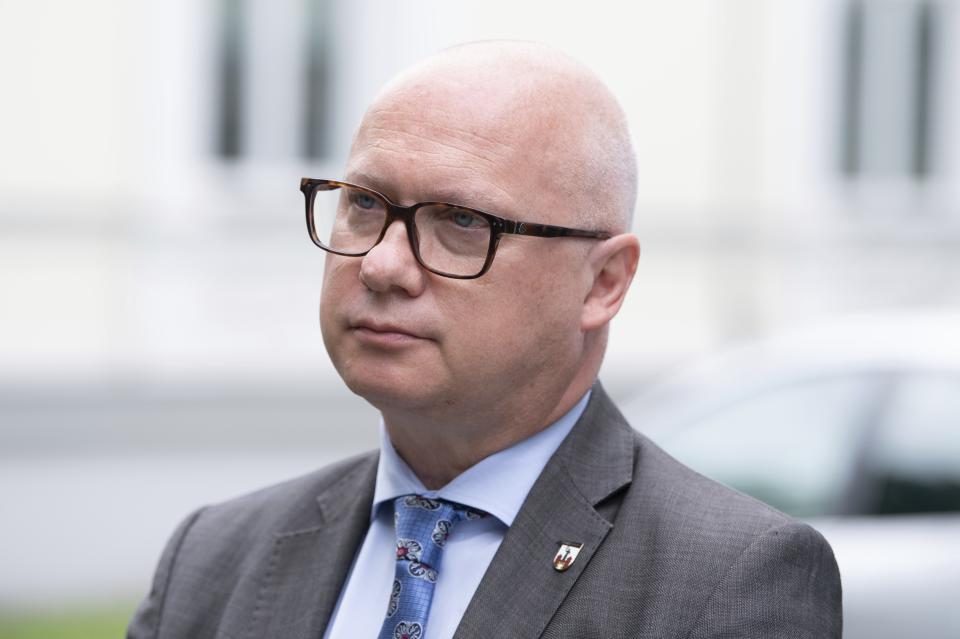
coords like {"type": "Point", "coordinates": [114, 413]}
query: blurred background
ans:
{"type": "Point", "coordinates": [159, 348]}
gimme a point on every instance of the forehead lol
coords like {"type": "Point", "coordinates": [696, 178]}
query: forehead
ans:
{"type": "Point", "coordinates": [428, 145]}
{"type": "Point", "coordinates": [432, 152]}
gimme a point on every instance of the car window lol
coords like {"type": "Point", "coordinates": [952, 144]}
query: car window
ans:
{"type": "Point", "coordinates": [914, 464]}
{"type": "Point", "coordinates": [792, 446]}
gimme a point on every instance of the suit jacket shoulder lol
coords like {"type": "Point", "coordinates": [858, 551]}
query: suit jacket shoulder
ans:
{"type": "Point", "coordinates": [665, 552]}
{"type": "Point", "coordinates": [225, 559]}
{"type": "Point", "coordinates": [737, 567]}
{"type": "Point", "coordinates": [289, 505]}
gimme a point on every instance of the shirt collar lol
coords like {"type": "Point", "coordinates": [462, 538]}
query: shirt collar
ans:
{"type": "Point", "coordinates": [497, 484]}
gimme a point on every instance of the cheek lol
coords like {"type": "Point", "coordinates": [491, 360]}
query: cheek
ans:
{"type": "Point", "coordinates": [339, 274]}
{"type": "Point", "coordinates": [515, 326]}
{"type": "Point", "coordinates": [548, 308]}
{"type": "Point", "coordinates": [339, 277]}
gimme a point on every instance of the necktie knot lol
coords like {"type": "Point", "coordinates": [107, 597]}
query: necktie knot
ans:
{"type": "Point", "coordinates": [423, 526]}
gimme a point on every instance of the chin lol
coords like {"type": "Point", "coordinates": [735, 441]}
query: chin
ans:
{"type": "Point", "coordinates": [386, 389]}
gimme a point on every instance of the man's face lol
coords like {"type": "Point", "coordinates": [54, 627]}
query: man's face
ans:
{"type": "Point", "coordinates": [405, 338]}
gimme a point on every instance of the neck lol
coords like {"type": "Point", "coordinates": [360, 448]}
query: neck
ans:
{"type": "Point", "coordinates": [440, 446]}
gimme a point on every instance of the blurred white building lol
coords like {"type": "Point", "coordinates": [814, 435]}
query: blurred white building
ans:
{"type": "Point", "coordinates": [798, 159]}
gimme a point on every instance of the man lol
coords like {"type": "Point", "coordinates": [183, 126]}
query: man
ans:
{"type": "Point", "coordinates": [478, 248]}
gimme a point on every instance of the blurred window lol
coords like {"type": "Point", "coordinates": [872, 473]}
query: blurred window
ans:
{"type": "Point", "coordinates": [792, 446]}
{"type": "Point", "coordinates": [229, 79]}
{"type": "Point", "coordinates": [914, 465]}
{"type": "Point", "coordinates": [889, 50]}
{"type": "Point", "coordinates": [272, 79]}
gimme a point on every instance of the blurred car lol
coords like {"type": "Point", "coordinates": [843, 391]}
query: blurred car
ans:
{"type": "Point", "coordinates": [855, 427]}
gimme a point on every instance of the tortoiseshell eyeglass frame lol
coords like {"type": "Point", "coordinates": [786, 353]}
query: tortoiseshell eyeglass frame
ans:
{"type": "Point", "coordinates": [498, 225]}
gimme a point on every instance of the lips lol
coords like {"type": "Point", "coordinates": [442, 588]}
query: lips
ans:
{"type": "Point", "coordinates": [378, 327]}
{"type": "Point", "coordinates": [386, 331]}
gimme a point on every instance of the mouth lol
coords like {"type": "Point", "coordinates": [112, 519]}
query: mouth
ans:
{"type": "Point", "coordinates": [385, 334]}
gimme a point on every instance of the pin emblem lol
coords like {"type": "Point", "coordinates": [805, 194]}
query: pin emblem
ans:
{"type": "Point", "coordinates": [566, 555]}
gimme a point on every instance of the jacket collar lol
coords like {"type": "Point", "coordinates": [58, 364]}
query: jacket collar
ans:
{"type": "Point", "coordinates": [521, 589]}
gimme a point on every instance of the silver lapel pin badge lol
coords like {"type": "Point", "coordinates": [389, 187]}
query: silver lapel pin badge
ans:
{"type": "Point", "coordinates": [566, 555]}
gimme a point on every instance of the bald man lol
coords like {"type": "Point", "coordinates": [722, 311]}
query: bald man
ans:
{"type": "Point", "coordinates": [477, 248]}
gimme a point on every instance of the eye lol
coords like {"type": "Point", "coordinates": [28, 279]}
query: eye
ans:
{"type": "Point", "coordinates": [466, 219]}
{"type": "Point", "coordinates": [364, 201]}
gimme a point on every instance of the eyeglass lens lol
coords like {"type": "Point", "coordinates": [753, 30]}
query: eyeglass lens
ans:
{"type": "Point", "coordinates": [451, 239]}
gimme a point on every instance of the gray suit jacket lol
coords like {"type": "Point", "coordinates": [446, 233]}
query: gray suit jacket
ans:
{"type": "Point", "coordinates": [666, 553]}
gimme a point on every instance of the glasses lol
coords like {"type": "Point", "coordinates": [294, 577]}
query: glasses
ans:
{"type": "Point", "coordinates": [446, 239]}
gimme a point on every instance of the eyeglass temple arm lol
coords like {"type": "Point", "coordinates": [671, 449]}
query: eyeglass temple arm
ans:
{"type": "Point", "coordinates": [548, 230]}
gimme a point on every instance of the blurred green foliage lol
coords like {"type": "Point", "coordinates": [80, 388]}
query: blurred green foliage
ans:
{"type": "Point", "coordinates": [97, 623]}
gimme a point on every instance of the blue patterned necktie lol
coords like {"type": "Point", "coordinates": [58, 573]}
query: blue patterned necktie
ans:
{"type": "Point", "coordinates": [422, 527]}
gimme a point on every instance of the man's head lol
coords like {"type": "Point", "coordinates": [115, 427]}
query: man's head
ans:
{"type": "Point", "coordinates": [521, 131]}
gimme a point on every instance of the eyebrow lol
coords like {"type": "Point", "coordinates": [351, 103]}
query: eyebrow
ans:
{"type": "Point", "coordinates": [439, 193]}
{"type": "Point", "coordinates": [365, 179]}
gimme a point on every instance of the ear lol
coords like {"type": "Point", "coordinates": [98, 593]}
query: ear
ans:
{"type": "Point", "coordinates": [613, 262]}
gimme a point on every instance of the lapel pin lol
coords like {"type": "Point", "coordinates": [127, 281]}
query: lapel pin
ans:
{"type": "Point", "coordinates": [566, 555]}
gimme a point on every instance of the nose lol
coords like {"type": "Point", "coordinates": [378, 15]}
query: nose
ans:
{"type": "Point", "coordinates": [392, 265]}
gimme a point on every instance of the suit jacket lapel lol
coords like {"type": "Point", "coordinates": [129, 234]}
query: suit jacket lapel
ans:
{"type": "Point", "coordinates": [309, 566]}
{"type": "Point", "coordinates": [521, 590]}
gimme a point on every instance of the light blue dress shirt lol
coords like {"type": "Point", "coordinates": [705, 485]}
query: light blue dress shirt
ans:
{"type": "Point", "coordinates": [497, 484]}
